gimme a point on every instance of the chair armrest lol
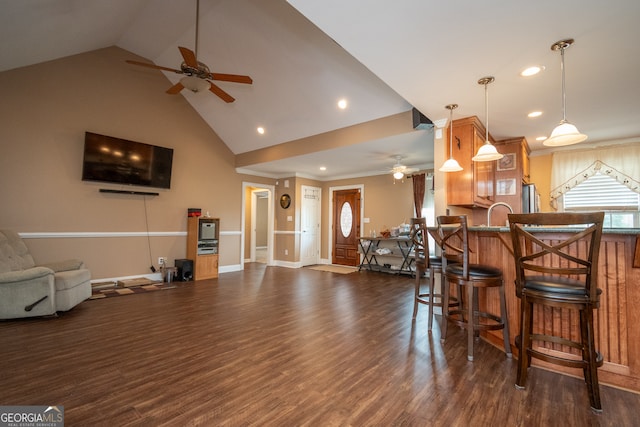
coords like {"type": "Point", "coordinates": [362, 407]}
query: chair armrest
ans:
{"type": "Point", "coordinates": [70, 264]}
{"type": "Point", "coordinates": [24, 275]}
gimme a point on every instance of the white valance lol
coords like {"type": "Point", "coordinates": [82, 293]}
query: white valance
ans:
{"type": "Point", "coordinates": [570, 168]}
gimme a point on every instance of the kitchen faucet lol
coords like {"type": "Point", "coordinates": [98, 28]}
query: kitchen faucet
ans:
{"type": "Point", "coordinates": [493, 206]}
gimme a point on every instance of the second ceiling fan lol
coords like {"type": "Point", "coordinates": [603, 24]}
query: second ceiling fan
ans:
{"type": "Point", "coordinates": [198, 77]}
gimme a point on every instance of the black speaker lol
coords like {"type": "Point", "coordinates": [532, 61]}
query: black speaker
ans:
{"type": "Point", "coordinates": [185, 270]}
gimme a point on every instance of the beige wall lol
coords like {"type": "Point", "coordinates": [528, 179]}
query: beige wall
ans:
{"type": "Point", "coordinates": [541, 176]}
{"type": "Point", "coordinates": [41, 140]}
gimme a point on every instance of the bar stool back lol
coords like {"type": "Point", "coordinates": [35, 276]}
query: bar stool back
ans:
{"type": "Point", "coordinates": [425, 264]}
{"type": "Point", "coordinates": [561, 274]}
{"type": "Point", "coordinates": [454, 240]}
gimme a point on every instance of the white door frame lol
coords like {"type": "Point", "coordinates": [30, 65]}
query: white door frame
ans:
{"type": "Point", "coordinates": [318, 215]}
{"type": "Point", "coordinates": [330, 213]}
{"type": "Point", "coordinates": [270, 219]}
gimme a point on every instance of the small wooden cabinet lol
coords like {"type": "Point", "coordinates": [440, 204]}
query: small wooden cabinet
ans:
{"type": "Point", "coordinates": [202, 246]}
{"type": "Point", "coordinates": [474, 186]}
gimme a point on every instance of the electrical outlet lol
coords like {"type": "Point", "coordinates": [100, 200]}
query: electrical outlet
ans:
{"type": "Point", "coordinates": [161, 260]}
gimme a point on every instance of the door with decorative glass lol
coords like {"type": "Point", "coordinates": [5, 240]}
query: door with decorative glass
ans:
{"type": "Point", "coordinates": [346, 227]}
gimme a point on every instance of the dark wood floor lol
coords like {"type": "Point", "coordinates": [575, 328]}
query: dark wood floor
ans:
{"type": "Point", "coordinates": [278, 346]}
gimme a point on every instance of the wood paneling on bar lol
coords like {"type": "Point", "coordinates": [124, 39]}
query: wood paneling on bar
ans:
{"type": "Point", "coordinates": [617, 320]}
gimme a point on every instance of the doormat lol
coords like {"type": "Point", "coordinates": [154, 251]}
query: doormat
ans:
{"type": "Point", "coordinates": [341, 269]}
{"type": "Point", "coordinates": [116, 292]}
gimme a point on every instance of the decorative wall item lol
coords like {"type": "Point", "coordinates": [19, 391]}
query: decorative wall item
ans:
{"type": "Point", "coordinates": [506, 187]}
{"type": "Point", "coordinates": [285, 201]}
{"type": "Point", "coordinates": [507, 163]}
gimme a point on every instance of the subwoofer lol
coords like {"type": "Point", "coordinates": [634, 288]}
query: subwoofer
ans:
{"type": "Point", "coordinates": [185, 270]}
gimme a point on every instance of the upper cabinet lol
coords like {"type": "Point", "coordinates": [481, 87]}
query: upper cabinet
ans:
{"type": "Point", "coordinates": [474, 186]}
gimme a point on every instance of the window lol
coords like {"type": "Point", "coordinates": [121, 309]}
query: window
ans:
{"type": "Point", "coordinates": [603, 193]}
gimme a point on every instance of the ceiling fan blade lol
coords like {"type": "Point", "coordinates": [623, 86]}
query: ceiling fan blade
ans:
{"type": "Point", "coordinates": [189, 57]}
{"type": "Point", "coordinates": [235, 78]}
{"type": "Point", "coordinates": [157, 67]}
{"type": "Point", "coordinates": [175, 89]}
{"type": "Point", "coordinates": [222, 94]}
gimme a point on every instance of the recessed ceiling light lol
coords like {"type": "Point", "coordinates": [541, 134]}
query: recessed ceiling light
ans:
{"type": "Point", "coordinates": [342, 104]}
{"type": "Point", "coordinates": [531, 71]}
{"type": "Point", "coordinates": [260, 130]}
{"type": "Point", "coordinates": [323, 168]}
{"type": "Point", "coordinates": [541, 138]}
{"type": "Point", "coordinates": [534, 114]}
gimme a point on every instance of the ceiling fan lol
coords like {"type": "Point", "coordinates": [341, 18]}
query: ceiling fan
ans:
{"type": "Point", "coordinates": [197, 76]}
{"type": "Point", "coordinates": [399, 170]}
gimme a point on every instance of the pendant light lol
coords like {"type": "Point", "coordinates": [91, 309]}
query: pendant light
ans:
{"type": "Point", "coordinates": [565, 133]}
{"type": "Point", "coordinates": [488, 151]}
{"type": "Point", "coordinates": [452, 164]}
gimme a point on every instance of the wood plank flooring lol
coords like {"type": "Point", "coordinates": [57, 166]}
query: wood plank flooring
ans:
{"type": "Point", "coordinates": [277, 346]}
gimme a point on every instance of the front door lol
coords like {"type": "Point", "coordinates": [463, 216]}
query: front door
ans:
{"type": "Point", "coordinates": [346, 227]}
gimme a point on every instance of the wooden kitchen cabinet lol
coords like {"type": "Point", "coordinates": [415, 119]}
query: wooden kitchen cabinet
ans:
{"type": "Point", "coordinates": [474, 186]}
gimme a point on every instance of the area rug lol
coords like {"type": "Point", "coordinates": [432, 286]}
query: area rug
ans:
{"type": "Point", "coordinates": [333, 268]}
{"type": "Point", "coordinates": [116, 292]}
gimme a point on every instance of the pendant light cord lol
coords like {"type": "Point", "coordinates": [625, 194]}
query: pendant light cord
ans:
{"type": "Point", "coordinates": [564, 96]}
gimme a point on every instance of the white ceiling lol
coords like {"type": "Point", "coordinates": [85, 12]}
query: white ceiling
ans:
{"type": "Point", "coordinates": [383, 57]}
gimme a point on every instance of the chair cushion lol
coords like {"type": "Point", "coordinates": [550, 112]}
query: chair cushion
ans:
{"type": "Point", "coordinates": [435, 261]}
{"type": "Point", "coordinates": [558, 285]}
{"type": "Point", "coordinates": [475, 270]}
{"type": "Point", "coordinates": [71, 279]}
{"type": "Point", "coordinates": [14, 255]}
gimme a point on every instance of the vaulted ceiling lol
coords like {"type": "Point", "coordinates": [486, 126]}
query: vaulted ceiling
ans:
{"type": "Point", "coordinates": [382, 57]}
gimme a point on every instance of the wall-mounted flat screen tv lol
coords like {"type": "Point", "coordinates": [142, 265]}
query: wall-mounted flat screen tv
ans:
{"type": "Point", "coordinates": [120, 161]}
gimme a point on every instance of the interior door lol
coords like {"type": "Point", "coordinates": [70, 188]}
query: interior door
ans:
{"type": "Point", "coordinates": [310, 226]}
{"type": "Point", "coordinates": [346, 227]}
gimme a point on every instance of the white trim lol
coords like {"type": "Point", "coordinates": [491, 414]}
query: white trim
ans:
{"type": "Point", "coordinates": [154, 276]}
{"type": "Point", "coordinates": [99, 234]}
{"type": "Point", "coordinates": [230, 268]}
{"type": "Point", "coordinates": [286, 232]}
{"type": "Point", "coordinates": [271, 189]}
{"type": "Point", "coordinates": [287, 264]}
{"type": "Point", "coordinates": [110, 234]}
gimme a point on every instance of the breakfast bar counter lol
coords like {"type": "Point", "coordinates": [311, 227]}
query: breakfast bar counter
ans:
{"type": "Point", "coordinates": [617, 319]}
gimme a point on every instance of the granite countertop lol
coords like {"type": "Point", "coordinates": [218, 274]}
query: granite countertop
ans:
{"type": "Point", "coordinates": [505, 229]}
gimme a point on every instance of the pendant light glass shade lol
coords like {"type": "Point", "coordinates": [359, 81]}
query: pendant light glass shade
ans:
{"type": "Point", "coordinates": [398, 175]}
{"type": "Point", "coordinates": [565, 133]}
{"type": "Point", "coordinates": [451, 165]}
{"type": "Point", "coordinates": [488, 151]}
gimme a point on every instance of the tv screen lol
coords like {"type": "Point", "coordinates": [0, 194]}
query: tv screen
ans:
{"type": "Point", "coordinates": [120, 161]}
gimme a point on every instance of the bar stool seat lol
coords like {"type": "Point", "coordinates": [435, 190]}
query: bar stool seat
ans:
{"type": "Point", "coordinates": [454, 240]}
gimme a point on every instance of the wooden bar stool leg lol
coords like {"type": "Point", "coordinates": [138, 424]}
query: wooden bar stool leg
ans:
{"type": "Point", "coordinates": [503, 314]}
{"type": "Point", "coordinates": [417, 293]}
{"type": "Point", "coordinates": [591, 358]}
{"type": "Point", "coordinates": [523, 345]}
{"type": "Point", "coordinates": [471, 321]}
{"type": "Point", "coordinates": [431, 293]}
{"type": "Point", "coordinates": [445, 308]}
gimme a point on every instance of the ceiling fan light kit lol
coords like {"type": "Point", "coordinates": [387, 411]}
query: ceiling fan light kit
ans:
{"type": "Point", "coordinates": [488, 151]}
{"type": "Point", "coordinates": [451, 165]}
{"type": "Point", "coordinates": [565, 133]}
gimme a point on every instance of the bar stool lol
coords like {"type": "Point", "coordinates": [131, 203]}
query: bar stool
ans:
{"type": "Point", "coordinates": [561, 274]}
{"type": "Point", "coordinates": [426, 264]}
{"type": "Point", "coordinates": [454, 240]}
